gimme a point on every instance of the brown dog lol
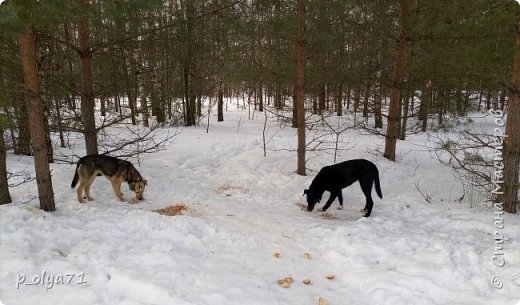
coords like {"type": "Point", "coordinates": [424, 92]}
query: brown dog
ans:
{"type": "Point", "coordinates": [116, 170]}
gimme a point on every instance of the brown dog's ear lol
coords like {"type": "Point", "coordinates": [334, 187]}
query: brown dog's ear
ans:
{"type": "Point", "coordinates": [305, 192]}
{"type": "Point", "coordinates": [145, 182]}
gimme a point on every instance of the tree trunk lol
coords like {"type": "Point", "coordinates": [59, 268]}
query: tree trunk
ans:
{"type": "Point", "coordinates": [488, 99]}
{"type": "Point", "coordinates": [103, 106]}
{"type": "Point", "coordinates": [220, 104]}
{"type": "Point", "coordinates": [357, 98]}
{"type": "Point", "coordinates": [199, 105]}
{"type": "Point", "coordinates": [157, 102]}
{"type": "Point", "coordinates": [185, 100]}
{"type": "Point", "coordinates": [397, 83]}
{"type": "Point", "coordinates": [117, 104]}
{"type": "Point", "coordinates": [321, 98]}
{"type": "Point", "coordinates": [5, 197]}
{"type": "Point", "coordinates": [278, 98]}
{"type": "Point", "coordinates": [144, 110]}
{"type": "Point", "coordinates": [189, 65]}
{"type": "Point", "coordinates": [426, 101]}
{"type": "Point", "coordinates": [441, 101]}
{"type": "Point", "coordinates": [71, 97]}
{"type": "Point", "coordinates": [300, 82]}
{"type": "Point", "coordinates": [36, 122]}
{"type": "Point", "coordinates": [261, 98]}
{"type": "Point", "coordinates": [24, 137]}
{"type": "Point", "coordinates": [366, 99]}
{"type": "Point", "coordinates": [404, 119]}
{"type": "Point", "coordinates": [502, 100]}
{"type": "Point", "coordinates": [400, 114]}
{"type": "Point", "coordinates": [339, 100]}
{"type": "Point", "coordinates": [509, 198]}
{"type": "Point", "coordinates": [480, 99]}
{"type": "Point", "coordinates": [50, 151]}
{"type": "Point", "coordinates": [348, 98]}
{"type": "Point", "coordinates": [87, 92]}
{"type": "Point", "coordinates": [295, 109]}
{"type": "Point", "coordinates": [378, 117]}
{"type": "Point", "coordinates": [133, 89]}
{"type": "Point", "coordinates": [11, 129]}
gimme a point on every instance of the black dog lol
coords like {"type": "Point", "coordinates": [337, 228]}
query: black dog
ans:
{"type": "Point", "coordinates": [336, 177]}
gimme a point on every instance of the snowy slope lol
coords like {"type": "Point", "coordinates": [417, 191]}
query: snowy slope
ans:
{"type": "Point", "coordinates": [243, 210]}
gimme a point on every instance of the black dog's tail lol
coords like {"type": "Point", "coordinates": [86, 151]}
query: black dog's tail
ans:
{"type": "Point", "coordinates": [378, 187]}
{"type": "Point", "coordinates": [76, 176]}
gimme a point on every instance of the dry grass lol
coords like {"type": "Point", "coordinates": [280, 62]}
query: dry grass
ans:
{"type": "Point", "coordinates": [173, 210]}
{"type": "Point", "coordinates": [302, 206]}
{"type": "Point", "coordinates": [229, 187]}
{"type": "Point", "coordinates": [323, 215]}
{"type": "Point", "coordinates": [328, 216]}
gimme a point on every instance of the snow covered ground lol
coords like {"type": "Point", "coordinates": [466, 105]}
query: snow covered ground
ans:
{"type": "Point", "coordinates": [243, 210]}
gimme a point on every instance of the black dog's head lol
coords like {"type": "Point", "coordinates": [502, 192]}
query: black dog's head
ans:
{"type": "Point", "coordinates": [312, 199]}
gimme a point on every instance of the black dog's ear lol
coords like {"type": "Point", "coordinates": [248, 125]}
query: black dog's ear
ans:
{"type": "Point", "coordinates": [305, 192]}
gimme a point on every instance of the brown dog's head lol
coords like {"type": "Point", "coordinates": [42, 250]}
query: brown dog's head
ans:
{"type": "Point", "coordinates": [138, 188]}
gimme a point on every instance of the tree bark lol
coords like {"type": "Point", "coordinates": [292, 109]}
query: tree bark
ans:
{"type": "Point", "coordinates": [321, 98]}
{"type": "Point", "coordinates": [47, 128]}
{"type": "Point", "coordinates": [5, 197]}
{"type": "Point", "coordinates": [300, 83]}
{"type": "Point", "coordinates": [261, 98]}
{"type": "Point", "coordinates": [59, 122]}
{"type": "Point", "coordinates": [87, 92]}
{"type": "Point", "coordinates": [426, 101]}
{"type": "Point", "coordinates": [220, 104]}
{"type": "Point", "coordinates": [395, 92]}
{"type": "Point", "coordinates": [378, 96]}
{"type": "Point", "coordinates": [24, 138]}
{"type": "Point", "coordinates": [36, 122]}
{"type": "Point", "coordinates": [366, 99]}
{"type": "Point", "coordinates": [509, 198]}
{"type": "Point", "coordinates": [189, 65]}
{"type": "Point", "coordinates": [295, 109]}
{"type": "Point", "coordinates": [339, 100]}
{"type": "Point", "coordinates": [407, 101]}
{"type": "Point", "coordinates": [144, 110]}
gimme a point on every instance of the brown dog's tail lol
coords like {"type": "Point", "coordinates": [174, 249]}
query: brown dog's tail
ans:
{"type": "Point", "coordinates": [378, 187]}
{"type": "Point", "coordinates": [76, 176]}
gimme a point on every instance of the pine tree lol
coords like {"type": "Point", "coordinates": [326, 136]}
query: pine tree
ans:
{"type": "Point", "coordinates": [511, 152]}
{"type": "Point", "coordinates": [397, 84]}
{"type": "Point", "coordinates": [36, 119]}
{"type": "Point", "coordinates": [300, 83]}
{"type": "Point", "coordinates": [5, 196]}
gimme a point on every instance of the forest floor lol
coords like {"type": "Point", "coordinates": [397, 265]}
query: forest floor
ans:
{"type": "Point", "coordinates": [240, 228]}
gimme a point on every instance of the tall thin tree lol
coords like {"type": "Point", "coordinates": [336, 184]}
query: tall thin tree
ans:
{"type": "Point", "coordinates": [36, 122]}
{"type": "Point", "coordinates": [300, 83]}
{"type": "Point", "coordinates": [87, 92]}
{"type": "Point", "coordinates": [5, 197]}
{"type": "Point", "coordinates": [511, 161]}
{"type": "Point", "coordinates": [397, 84]}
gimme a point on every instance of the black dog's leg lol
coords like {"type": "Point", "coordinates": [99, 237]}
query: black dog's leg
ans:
{"type": "Point", "coordinates": [368, 207]}
{"type": "Point", "coordinates": [366, 187]}
{"type": "Point", "coordinates": [333, 196]}
{"type": "Point", "coordinates": [340, 198]}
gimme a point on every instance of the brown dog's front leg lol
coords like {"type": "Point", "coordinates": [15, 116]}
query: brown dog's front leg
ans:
{"type": "Point", "coordinates": [116, 185]}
